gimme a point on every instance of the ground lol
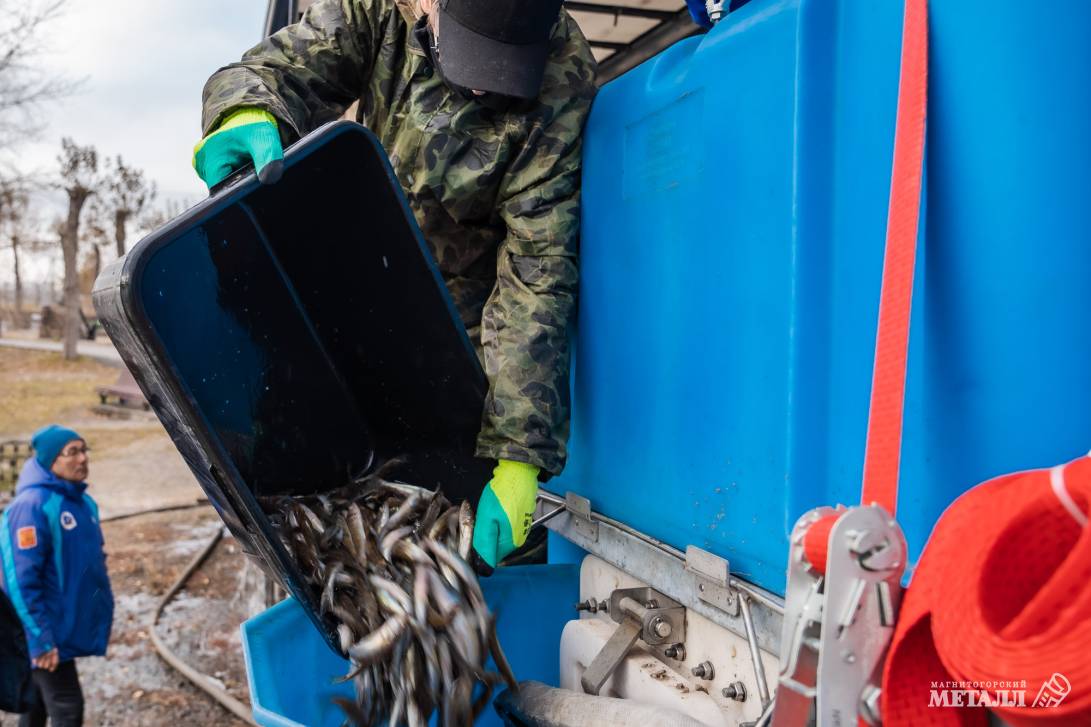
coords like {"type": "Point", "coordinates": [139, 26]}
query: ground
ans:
{"type": "Point", "coordinates": [134, 466]}
{"type": "Point", "coordinates": [132, 685]}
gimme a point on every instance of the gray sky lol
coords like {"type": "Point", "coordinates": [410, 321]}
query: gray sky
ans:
{"type": "Point", "coordinates": [145, 62]}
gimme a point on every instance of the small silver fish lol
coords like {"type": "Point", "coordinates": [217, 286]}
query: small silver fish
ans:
{"type": "Point", "coordinates": [387, 565]}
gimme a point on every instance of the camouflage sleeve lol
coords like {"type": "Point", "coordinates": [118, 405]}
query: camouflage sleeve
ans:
{"type": "Point", "coordinates": [305, 74]}
{"type": "Point", "coordinates": [526, 319]}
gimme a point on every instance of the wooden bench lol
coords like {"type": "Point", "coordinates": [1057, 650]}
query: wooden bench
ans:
{"type": "Point", "coordinates": [125, 392]}
{"type": "Point", "coordinates": [13, 453]}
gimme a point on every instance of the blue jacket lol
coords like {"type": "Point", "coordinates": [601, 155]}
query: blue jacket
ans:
{"type": "Point", "coordinates": [54, 566]}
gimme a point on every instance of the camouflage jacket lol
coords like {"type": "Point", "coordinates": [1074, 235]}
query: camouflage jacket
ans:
{"type": "Point", "coordinates": [495, 192]}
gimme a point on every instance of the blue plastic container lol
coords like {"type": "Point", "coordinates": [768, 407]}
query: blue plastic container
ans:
{"type": "Point", "coordinates": [292, 671]}
{"type": "Point", "coordinates": [734, 210]}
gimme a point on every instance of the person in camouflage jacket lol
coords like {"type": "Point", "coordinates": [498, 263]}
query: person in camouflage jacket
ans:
{"type": "Point", "coordinates": [492, 180]}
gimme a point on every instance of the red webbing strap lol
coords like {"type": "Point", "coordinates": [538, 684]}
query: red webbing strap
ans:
{"type": "Point", "coordinates": [997, 613]}
{"type": "Point", "coordinates": [884, 435]}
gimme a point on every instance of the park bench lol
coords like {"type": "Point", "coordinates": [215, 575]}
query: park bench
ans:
{"type": "Point", "coordinates": [124, 392]}
{"type": "Point", "coordinates": [13, 453]}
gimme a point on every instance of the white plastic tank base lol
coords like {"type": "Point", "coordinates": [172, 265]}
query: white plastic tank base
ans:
{"type": "Point", "coordinates": [651, 678]}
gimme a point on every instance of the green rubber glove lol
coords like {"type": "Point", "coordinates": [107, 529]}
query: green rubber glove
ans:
{"type": "Point", "coordinates": [245, 136]}
{"type": "Point", "coordinates": [505, 510]}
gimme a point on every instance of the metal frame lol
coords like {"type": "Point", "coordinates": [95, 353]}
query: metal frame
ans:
{"type": "Point", "coordinates": [279, 14]}
{"type": "Point", "coordinates": [668, 32]}
{"type": "Point", "coordinates": [667, 569]}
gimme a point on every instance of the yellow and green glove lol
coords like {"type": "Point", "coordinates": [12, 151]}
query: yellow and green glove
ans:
{"type": "Point", "coordinates": [246, 135]}
{"type": "Point", "coordinates": [505, 510]}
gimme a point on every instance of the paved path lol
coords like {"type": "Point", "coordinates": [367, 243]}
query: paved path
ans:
{"type": "Point", "coordinates": [102, 352]}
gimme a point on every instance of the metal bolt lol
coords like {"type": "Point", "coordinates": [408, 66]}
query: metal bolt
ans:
{"type": "Point", "coordinates": [849, 657]}
{"type": "Point", "coordinates": [651, 604]}
{"type": "Point", "coordinates": [704, 670]}
{"type": "Point", "coordinates": [675, 651]}
{"type": "Point", "coordinates": [661, 627]}
{"type": "Point", "coordinates": [735, 691]}
{"type": "Point", "coordinates": [592, 606]}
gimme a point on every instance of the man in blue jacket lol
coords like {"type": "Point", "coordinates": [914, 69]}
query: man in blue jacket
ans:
{"type": "Point", "coordinates": [54, 571]}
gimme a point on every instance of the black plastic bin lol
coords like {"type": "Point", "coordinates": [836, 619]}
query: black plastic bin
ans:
{"type": "Point", "coordinates": [295, 336]}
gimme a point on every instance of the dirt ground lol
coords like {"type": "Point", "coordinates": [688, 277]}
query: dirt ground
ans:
{"type": "Point", "coordinates": [134, 466]}
{"type": "Point", "coordinates": [132, 685]}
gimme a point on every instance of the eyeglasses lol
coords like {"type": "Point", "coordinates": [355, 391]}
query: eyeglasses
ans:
{"type": "Point", "coordinates": [75, 452]}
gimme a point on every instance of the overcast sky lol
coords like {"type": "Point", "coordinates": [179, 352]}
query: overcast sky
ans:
{"type": "Point", "coordinates": [145, 62]}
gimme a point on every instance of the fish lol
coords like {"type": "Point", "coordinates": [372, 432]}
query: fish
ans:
{"type": "Point", "coordinates": [387, 565]}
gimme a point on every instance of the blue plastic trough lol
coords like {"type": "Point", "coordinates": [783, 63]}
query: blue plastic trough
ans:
{"type": "Point", "coordinates": [293, 673]}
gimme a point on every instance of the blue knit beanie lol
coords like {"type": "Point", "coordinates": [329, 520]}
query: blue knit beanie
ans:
{"type": "Point", "coordinates": [49, 441]}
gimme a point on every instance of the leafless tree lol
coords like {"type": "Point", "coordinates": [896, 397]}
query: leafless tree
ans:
{"type": "Point", "coordinates": [79, 176]}
{"type": "Point", "coordinates": [95, 232]}
{"type": "Point", "coordinates": [160, 214]}
{"type": "Point", "coordinates": [17, 223]}
{"type": "Point", "coordinates": [25, 82]}
{"type": "Point", "coordinates": [127, 194]}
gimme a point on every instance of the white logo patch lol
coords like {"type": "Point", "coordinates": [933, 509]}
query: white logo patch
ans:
{"type": "Point", "coordinates": [68, 520]}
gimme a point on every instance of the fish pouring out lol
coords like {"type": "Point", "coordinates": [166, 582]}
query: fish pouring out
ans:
{"type": "Point", "coordinates": [388, 564]}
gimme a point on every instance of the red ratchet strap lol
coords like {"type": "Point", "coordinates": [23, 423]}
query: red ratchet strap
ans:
{"type": "Point", "coordinates": [999, 609]}
{"type": "Point", "coordinates": [884, 436]}
{"type": "Point", "coordinates": [998, 613]}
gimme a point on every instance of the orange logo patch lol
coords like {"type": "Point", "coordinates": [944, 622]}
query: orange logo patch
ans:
{"type": "Point", "coordinates": [27, 537]}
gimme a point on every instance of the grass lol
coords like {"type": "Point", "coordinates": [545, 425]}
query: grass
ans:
{"type": "Point", "coordinates": [38, 387]}
{"type": "Point", "coordinates": [102, 441]}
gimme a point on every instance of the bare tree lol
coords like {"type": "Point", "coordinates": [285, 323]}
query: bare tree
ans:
{"type": "Point", "coordinates": [79, 179]}
{"type": "Point", "coordinates": [16, 223]}
{"type": "Point", "coordinates": [127, 193]}
{"type": "Point", "coordinates": [160, 214]}
{"type": "Point", "coordinates": [95, 233]}
{"type": "Point", "coordinates": [25, 82]}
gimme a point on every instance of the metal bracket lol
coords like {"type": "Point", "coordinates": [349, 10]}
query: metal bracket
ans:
{"type": "Point", "coordinates": [713, 575]}
{"type": "Point", "coordinates": [663, 567]}
{"type": "Point", "coordinates": [838, 625]}
{"type": "Point", "coordinates": [642, 614]}
{"type": "Point", "coordinates": [662, 619]}
{"type": "Point", "coordinates": [579, 510]}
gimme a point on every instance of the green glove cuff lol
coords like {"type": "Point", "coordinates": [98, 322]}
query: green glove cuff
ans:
{"type": "Point", "coordinates": [245, 136]}
{"type": "Point", "coordinates": [505, 510]}
{"type": "Point", "coordinates": [242, 117]}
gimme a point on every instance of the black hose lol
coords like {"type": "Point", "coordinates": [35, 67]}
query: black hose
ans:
{"type": "Point", "coordinates": [166, 508]}
{"type": "Point", "coordinates": [198, 679]}
{"type": "Point", "coordinates": [201, 681]}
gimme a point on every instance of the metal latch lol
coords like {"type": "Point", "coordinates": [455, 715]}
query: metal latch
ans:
{"type": "Point", "coordinates": [642, 614]}
{"type": "Point", "coordinates": [579, 510]}
{"type": "Point", "coordinates": [838, 625]}
{"type": "Point", "coordinates": [713, 576]}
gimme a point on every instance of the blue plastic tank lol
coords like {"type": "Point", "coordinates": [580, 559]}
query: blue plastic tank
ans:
{"type": "Point", "coordinates": [734, 211]}
{"type": "Point", "coordinates": [294, 675]}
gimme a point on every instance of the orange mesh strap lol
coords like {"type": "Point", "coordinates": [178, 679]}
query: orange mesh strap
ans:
{"type": "Point", "coordinates": [816, 542]}
{"type": "Point", "coordinates": [1001, 595]}
{"type": "Point", "coordinates": [884, 435]}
